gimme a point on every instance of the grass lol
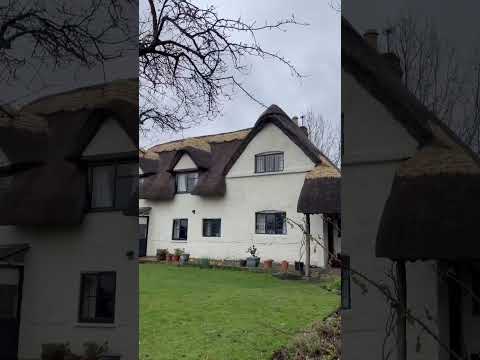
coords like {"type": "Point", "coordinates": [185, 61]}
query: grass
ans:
{"type": "Point", "coordinates": [213, 314]}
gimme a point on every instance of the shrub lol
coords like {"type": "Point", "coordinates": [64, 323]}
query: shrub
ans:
{"type": "Point", "coordinates": [322, 341]}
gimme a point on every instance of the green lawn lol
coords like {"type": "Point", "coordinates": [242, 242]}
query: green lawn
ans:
{"type": "Point", "coordinates": [193, 313]}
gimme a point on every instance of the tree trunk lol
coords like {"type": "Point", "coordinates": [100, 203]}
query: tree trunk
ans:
{"type": "Point", "coordinates": [307, 247]}
{"type": "Point", "coordinates": [401, 311]}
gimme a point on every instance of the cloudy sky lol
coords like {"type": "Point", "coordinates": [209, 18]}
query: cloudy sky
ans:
{"type": "Point", "coordinates": [313, 49]}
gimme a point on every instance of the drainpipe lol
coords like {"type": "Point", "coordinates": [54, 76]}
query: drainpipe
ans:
{"type": "Point", "coordinates": [307, 246]}
{"type": "Point", "coordinates": [401, 310]}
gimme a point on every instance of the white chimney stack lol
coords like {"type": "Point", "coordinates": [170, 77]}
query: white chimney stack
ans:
{"type": "Point", "coordinates": [295, 120]}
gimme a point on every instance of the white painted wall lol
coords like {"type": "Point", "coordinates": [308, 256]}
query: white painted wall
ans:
{"type": "Point", "coordinates": [51, 289]}
{"type": "Point", "coordinates": [57, 257]}
{"type": "Point", "coordinates": [365, 188]}
{"type": "Point", "coordinates": [246, 194]}
{"type": "Point", "coordinates": [110, 139]}
{"type": "Point", "coordinates": [185, 163]}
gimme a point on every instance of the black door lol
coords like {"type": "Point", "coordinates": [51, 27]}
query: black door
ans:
{"type": "Point", "coordinates": [10, 300]}
{"type": "Point", "coordinates": [143, 235]}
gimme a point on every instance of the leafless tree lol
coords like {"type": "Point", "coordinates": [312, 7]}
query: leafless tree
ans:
{"type": "Point", "coordinates": [323, 134]}
{"type": "Point", "coordinates": [191, 58]}
{"type": "Point", "coordinates": [55, 33]}
{"type": "Point", "coordinates": [432, 71]}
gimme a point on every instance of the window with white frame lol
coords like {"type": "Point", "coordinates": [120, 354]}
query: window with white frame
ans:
{"type": "Point", "coordinates": [271, 222]}
{"type": "Point", "coordinates": [186, 181]}
{"type": "Point", "coordinates": [269, 162]}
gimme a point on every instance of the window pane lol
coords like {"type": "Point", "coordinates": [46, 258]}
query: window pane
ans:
{"type": "Point", "coordinates": [280, 162]}
{"type": "Point", "coordinates": [105, 306]}
{"type": "Point", "coordinates": [280, 223]}
{"type": "Point", "coordinates": [192, 180]}
{"type": "Point", "coordinates": [259, 163]}
{"type": "Point", "coordinates": [260, 226]}
{"type": "Point", "coordinates": [102, 186]}
{"type": "Point", "coordinates": [8, 301]}
{"type": "Point", "coordinates": [183, 229]}
{"type": "Point", "coordinates": [125, 187]}
{"type": "Point", "coordinates": [176, 229]}
{"type": "Point", "coordinates": [89, 293]}
{"type": "Point", "coordinates": [181, 183]}
{"type": "Point", "coordinates": [211, 227]}
{"type": "Point", "coordinates": [270, 224]}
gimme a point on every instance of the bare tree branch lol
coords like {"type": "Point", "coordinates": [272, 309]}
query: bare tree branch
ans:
{"type": "Point", "coordinates": [323, 134]}
{"type": "Point", "coordinates": [190, 59]}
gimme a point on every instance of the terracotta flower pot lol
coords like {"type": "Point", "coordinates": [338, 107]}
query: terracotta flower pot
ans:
{"type": "Point", "coordinates": [284, 266]}
{"type": "Point", "coordinates": [169, 257]}
{"type": "Point", "coordinates": [267, 264]}
{"type": "Point", "coordinates": [176, 258]}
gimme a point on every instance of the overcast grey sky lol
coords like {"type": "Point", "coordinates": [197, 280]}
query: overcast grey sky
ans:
{"type": "Point", "coordinates": [34, 80]}
{"type": "Point", "coordinates": [314, 50]}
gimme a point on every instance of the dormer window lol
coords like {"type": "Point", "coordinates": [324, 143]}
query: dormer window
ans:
{"type": "Point", "coordinates": [269, 162]}
{"type": "Point", "coordinates": [112, 185]}
{"type": "Point", "coordinates": [186, 181]}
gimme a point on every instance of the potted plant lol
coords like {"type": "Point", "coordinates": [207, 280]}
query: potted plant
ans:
{"type": "Point", "coordinates": [253, 260]}
{"type": "Point", "coordinates": [267, 264]}
{"type": "Point", "coordinates": [299, 266]}
{"type": "Point", "coordinates": [204, 263]}
{"type": "Point", "coordinates": [176, 254]}
{"type": "Point", "coordinates": [162, 254]}
{"type": "Point", "coordinates": [169, 257]}
{"type": "Point", "coordinates": [184, 258]}
{"type": "Point", "coordinates": [284, 266]}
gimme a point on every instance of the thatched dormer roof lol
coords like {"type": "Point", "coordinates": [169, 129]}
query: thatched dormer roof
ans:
{"type": "Point", "coordinates": [53, 192]}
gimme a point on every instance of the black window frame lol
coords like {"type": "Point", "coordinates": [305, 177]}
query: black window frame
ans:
{"type": "Point", "coordinates": [264, 156]}
{"type": "Point", "coordinates": [271, 213]}
{"type": "Point", "coordinates": [346, 293]}
{"type": "Point", "coordinates": [187, 191]}
{"type": "Point", "coordinates": [204, 223]}
{"type": "Point", "coordinates": [115, 163]}
{"type": "Point", "coordinates": [173, 229]}
{"type": "Point", "coordinates": [97, 320]}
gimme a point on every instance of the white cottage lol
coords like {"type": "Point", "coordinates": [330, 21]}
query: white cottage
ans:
{"type": "Point", "coordinates": [410, 190]}
{"type": "Point", "coordinates": [68, 229]}
{"type": "Point", "coordinates": [215, 196]}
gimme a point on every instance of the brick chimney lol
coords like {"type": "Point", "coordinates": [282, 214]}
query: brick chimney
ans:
{"type": "Point", "coordinates": [371, 37]}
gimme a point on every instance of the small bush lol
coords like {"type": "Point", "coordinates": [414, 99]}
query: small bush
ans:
{"type": "Point", "coordinates": [320, 342]}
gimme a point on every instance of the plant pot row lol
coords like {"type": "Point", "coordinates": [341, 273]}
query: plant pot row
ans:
{"type": "Point", "coordinates": [164, 255]}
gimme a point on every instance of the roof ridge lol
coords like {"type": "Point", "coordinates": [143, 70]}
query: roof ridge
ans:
{"type": "Point", "coordinates": [196, 138]}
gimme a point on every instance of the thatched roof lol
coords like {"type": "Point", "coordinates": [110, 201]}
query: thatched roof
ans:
{"type": "Point", "coordinates": [54, 191]}
{"type": "Point", "coordinates": [431, 212]}
{"type": "Point", "coordinates": [23, 137]}
{"type": "Point", "coordinates": [214, 155]}
{"type": "Point", "coordinates": [321, 190]}
{"type": "Point", "coordinates": [211, 182]}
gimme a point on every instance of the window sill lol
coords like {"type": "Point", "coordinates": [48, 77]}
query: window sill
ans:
{"type": "Point", "coordinates": [95, 325]}
{"type": "Point", "coordinates": [178, 241]}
